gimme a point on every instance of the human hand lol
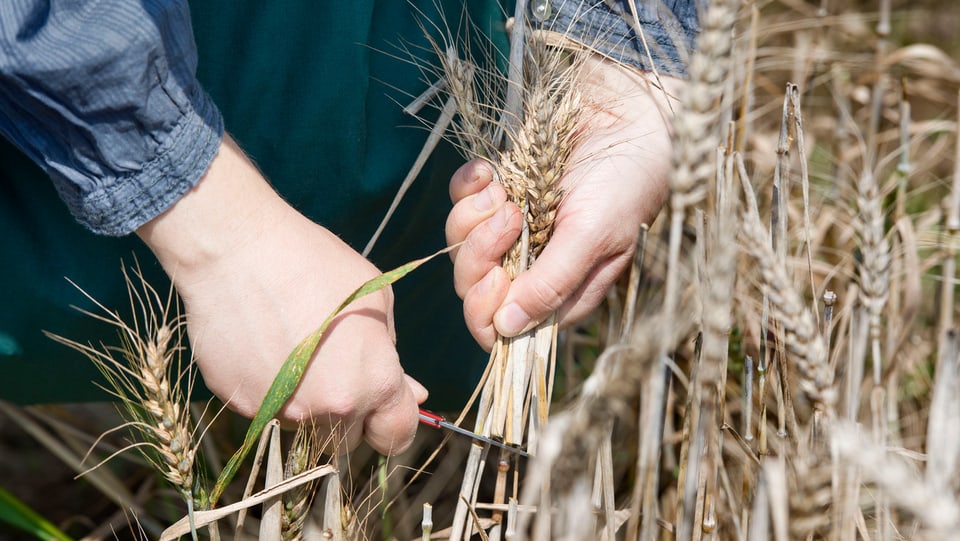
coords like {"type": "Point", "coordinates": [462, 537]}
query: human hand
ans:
{"type": "Point", "coordinates": [256, 277]}
{"type": "Point", "coordinates": [617, 181]}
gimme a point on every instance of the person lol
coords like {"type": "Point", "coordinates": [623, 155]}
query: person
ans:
{"type": "Point", "coordinates": [105, 96]}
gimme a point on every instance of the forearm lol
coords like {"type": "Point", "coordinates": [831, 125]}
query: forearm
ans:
{"type": "Point", "coordinates": [228, 208]}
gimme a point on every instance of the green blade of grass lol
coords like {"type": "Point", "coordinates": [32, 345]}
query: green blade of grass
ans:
{"type": "Point", "coordinates": [20, 515]}
{"type": "Point", "coordinates": [293, 368]}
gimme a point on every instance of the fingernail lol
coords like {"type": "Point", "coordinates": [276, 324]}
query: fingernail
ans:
{"type": "Point", "coordinates": [487, 283]}
{"type": "Point", "coordinates": [483, 171]}
{"type": "Point", "coordinates": [511, 320]}
{"type": "Point", "coordinates": [483, 200]}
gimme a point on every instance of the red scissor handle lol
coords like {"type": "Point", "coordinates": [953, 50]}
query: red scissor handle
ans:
{"type": "Point", "coordinates": [437, 421]}
{"type": "Point", "coordinates": [431, 419]}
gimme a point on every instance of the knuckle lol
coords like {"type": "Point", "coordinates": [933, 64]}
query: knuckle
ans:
{"type": "Point", "coordinates": [452, 225]}
{"type": "Point", "coordinates": [476, 317]}
{"type": "Point", "coordinates": [337, 407]}
{"type": "Point", "coordinates": [460, 282]}
{"type": "Point", "coordinates": [546, 293]}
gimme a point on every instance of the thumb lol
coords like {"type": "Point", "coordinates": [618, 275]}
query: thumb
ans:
{"type": "Point", "coordinates": [542, 289]}
{"type": "Point", "coordinates": [390, 429]}
{"type": "Point", "coordinates": [420, 392]}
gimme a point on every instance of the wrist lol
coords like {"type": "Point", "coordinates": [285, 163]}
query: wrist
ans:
{"type": "Point", "coordinates": [229, 207]}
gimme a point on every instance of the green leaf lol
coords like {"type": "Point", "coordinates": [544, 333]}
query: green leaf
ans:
{"type": "Point", "coordinates": [18, 514]}
{"type": "Point", "coordinates": [293, 368]}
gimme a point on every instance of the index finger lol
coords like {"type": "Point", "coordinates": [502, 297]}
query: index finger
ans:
{"type": "Point", "coordinates": [470, 178]}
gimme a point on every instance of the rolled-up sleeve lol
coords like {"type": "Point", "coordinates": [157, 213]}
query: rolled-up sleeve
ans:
{"type": "Point", "coordinates": [102, 94]}
{"type": "Point", "coordinates": [666, 33]}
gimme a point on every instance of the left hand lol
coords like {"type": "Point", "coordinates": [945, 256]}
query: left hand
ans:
{"type": "Point", "coordinates": [617, 181]}
{"type": "Point", "coordinates": [256, 277]}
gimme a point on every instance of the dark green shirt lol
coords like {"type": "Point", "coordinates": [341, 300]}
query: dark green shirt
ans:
{"type": "Point", "coordinates": [313, 92]}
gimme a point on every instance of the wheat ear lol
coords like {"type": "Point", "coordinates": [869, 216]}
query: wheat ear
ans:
{"type": "Point", "coordinates": [803, 342]}
{"type": "Point", "coordinates": [148, 379]}
{"type": "Point", "coordinates": [697, 127]}
{"type": "Point", "coordinates": [304, 455]}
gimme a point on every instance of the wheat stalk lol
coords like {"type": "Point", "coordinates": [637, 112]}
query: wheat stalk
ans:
{"type": "Point", "coordinates": [706, 399]}
{"type": "Point", "coordinates": [538, 138]}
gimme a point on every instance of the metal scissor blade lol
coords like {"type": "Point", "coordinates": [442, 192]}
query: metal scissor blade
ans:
{"type": "Point", "coordinates": [437, 421]}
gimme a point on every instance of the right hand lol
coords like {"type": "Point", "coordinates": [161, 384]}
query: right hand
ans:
{"type": "Point", "coordinates": [256, 278]}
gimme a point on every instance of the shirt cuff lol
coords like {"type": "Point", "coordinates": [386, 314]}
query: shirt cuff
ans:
{"type": "Point", "coordinates": [120, 205]}
{"type": "Point", "coordinates": [668, 30]}
{"type": "Point", "coordinates": [103, 95]}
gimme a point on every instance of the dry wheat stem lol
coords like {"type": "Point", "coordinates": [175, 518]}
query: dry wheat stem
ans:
{"type": "Point", "coordinates": [716, 286]}
{"type": "Point", "coordinates": [794, 96]}
{"type": "Point", "coordinates": [943, 439]}
{"type": "Point", "coordinates": [774, 471]}
{"type": "Point", "coordinates": [436, 132]}
{"type": "Point", "coordinates": [779, 226]}
{"type": "Point", "coordinates": [902, 174]}
{"type": "Point", "coordinates": [951, 238]}
{"type": "Point", "coordinates": [607, 395]}
{"type": "Point", "coordinates": [271, 510]}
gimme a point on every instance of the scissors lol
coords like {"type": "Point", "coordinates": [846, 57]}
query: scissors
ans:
{"type": "Point", "coordinates": [437, 421]}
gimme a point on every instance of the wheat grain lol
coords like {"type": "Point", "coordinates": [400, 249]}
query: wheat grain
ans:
{"type": "Point", "coordinates": [531, 170]}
